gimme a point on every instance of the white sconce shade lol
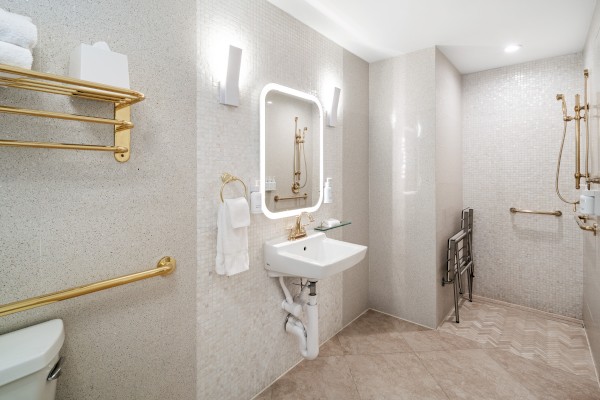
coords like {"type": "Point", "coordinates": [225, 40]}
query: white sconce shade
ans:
{"type": "Point", "coordinates": [229, 90]}
{"type": "Point", "coordinates": [332, 115]}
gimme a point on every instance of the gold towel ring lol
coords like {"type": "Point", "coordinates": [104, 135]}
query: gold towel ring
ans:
{"type": "Point", "coordinates": [227, 178]}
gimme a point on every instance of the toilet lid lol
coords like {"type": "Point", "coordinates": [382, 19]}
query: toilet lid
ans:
{"type": "Point", "coordinates": [28, 350]}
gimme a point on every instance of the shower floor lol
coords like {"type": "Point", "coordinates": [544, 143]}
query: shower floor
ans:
{"type": "Point", "coordinates": [496, 352]}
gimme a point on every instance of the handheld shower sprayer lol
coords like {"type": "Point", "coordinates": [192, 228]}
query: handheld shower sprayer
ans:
{"type": "Point", "coordinates": [561, 97]}
{"type": "Point", "coordinates": [577, 118]}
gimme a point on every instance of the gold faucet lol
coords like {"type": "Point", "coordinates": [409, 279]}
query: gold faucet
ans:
{"type": "Point", "coordinates": [297, 231]}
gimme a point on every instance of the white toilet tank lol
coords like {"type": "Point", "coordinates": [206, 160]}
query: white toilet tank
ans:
{"type": "Point", "coordinates": [29, 361]}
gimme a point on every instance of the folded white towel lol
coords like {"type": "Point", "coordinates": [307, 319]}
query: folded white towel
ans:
{"type": "Point", "coordinates": [232, 243]}
{"type": "Point", "coordinates": [239, 212]}
{"type": "Point", "coordinates": [18, 30]}
{"type": "Point", "coordinates": [16, 56]}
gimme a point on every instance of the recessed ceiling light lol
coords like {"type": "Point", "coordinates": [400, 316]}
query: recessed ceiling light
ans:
{"type": "Point", "coordinates": [511, 48]}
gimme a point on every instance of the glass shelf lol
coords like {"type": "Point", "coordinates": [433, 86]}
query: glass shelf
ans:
{"type": "Point", "coordinates": [325, 228]}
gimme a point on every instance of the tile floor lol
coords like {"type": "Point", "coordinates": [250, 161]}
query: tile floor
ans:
{"type": "Point", "coordinates": [382, 357]}
{"type": "Point", "coordinates": [531, 335]}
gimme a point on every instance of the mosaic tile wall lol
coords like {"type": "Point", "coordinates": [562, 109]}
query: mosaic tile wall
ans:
{"type": "Point", "coordinates": [512, 127]}
{"type": "Point", "coordinates": [68, 218]}
{"type": "Point", "coordinates": [241, 344]}
{"type": "Point", "coordinates": [591, 251]}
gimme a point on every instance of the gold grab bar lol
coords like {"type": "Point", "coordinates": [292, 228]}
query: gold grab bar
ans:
{"type": "Point", "coordinates": [228, 178]}
{"type": "Point", "coordinates": [556, 213]}
{"type": "Point", "coordinates": [592, 228]}
{"type": "Point", "coordinates": [165, 266]}
{"type": "Point", "coordinates": [304, 196]}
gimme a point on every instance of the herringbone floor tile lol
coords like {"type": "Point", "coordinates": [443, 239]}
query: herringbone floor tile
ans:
{"type": "Point", "coordinates": [559, 344]}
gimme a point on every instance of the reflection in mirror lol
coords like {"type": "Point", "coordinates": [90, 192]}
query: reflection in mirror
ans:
{"type": "Point", "coordinates": [291, 151]}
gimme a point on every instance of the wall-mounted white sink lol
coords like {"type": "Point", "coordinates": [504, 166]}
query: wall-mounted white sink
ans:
{"type": "Point", "coordinates": [314, 257]}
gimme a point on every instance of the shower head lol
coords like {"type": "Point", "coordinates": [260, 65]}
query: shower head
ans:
{"type": "Point", "coordinates": [561, 97]}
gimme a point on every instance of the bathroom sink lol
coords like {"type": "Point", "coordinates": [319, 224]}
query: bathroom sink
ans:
{"type": "Point", "coordinates": [313, 257]}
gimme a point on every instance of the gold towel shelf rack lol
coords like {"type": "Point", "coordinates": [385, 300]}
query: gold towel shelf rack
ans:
{"type": "Point", "coordinates": [556, 213]}
{"type": "Point", "coordinates": [165, 266]}
{"type": "Point", "coordinates": [122, 99]}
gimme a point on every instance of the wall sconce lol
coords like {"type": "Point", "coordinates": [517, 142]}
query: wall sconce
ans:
{"type": "Point", "coordinates": [332, 114]}
{"type": "Point", "coordinates": [229, 90]}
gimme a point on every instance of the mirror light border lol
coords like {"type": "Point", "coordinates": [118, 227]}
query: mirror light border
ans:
{"type": "Point", "coordinates": [263, 97]}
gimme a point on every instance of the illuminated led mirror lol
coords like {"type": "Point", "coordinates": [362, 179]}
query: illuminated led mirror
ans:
{"type": "Point", "coordinates": [291, 151]}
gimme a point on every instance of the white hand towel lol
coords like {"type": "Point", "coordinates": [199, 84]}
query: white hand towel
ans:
{"type": "Point", "coordinates": [239, 212]}
{"type": "Point", "coordinates": [232, 243]}
{"type": "Point", "coordinates": [16, 56]}
{"type": "Point", "coordinates": [18, 30]}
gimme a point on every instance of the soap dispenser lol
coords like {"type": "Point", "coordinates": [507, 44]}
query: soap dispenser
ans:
{"type": "Point", "coordinates": [328, 192]}
{"type": "Point", "coordinates": [255, 198]}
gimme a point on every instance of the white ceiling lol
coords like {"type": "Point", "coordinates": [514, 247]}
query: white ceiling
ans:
{"type": "Point", "coordinates": [472, 33]}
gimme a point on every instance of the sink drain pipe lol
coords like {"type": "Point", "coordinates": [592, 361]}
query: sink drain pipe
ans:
{"type": "Point", "coordinates": [308, 335]}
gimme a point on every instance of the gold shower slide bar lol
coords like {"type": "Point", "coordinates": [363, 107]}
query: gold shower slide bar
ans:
{"type": "Point", "coordinates": [120, 124]}
{"type": "Point", "coordinates": [165, 266]}
{"type": "Point", "coordinates": [304, 196]}
{"type": "Point", "coordinates": [556, 213]}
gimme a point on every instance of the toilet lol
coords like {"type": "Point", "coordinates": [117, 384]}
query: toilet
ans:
{"type": "Point", "coordinates": [30, 364]}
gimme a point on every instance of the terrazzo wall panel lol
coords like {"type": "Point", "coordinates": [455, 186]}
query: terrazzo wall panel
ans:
{"type": "Point", "coordinates": [402, 207]}
{"type": "Point", "coordinates": [591, 249]}
{"type": "Point", "coordinates": [71, 217]}
{"type": "Point", "coordinates": [512, 127]}
{"type": "Point", "coordinates": [242, 346]}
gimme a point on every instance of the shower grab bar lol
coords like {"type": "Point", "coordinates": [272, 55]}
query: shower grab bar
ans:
{"type": "Point", "coordinates": [304, 196]}
{"type": "Point", "coordinates": [556, 213]}
{"type": "Point", "coordinates": [592, 228]}
{"type": "Point", "coordinates": [165, 266]}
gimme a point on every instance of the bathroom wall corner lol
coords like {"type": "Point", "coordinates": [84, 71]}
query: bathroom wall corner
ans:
{"type": "Point", "coordinates": [448, 171]}
{"type": "Point", "coordinates": [355, 98]}
{"type": "Point", "coordinates": [402, 233]}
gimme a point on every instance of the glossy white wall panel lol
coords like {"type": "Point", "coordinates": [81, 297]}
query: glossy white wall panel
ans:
{"type": "Point", "coordinates": [402, 180]}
